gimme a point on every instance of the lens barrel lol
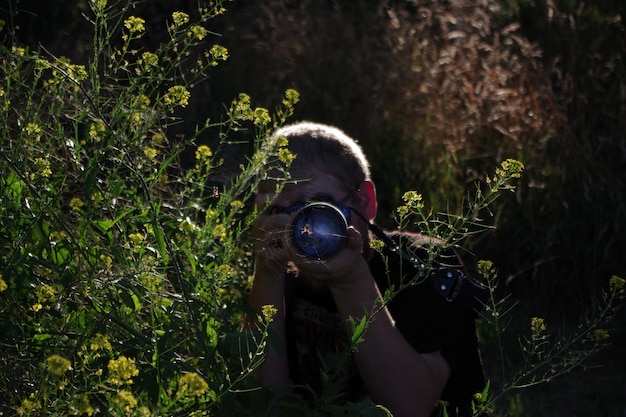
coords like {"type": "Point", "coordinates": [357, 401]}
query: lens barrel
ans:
{"type": "Point", "coordinates": [319, 230]}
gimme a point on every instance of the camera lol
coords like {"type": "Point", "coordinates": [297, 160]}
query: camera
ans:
{"type": "Point", "coordinates": [318, 230]}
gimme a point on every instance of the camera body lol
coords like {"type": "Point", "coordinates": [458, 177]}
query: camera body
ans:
{"type": "Point", "coordinates": [318, 229]}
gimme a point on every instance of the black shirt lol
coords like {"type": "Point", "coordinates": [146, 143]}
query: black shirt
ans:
{"type": "Point", "coordinates": [317, 340]}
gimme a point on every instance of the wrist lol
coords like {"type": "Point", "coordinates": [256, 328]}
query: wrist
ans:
{"type": "Point", "coordinates": [356, 276]}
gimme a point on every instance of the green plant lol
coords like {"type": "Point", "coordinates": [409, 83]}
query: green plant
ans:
{"type": "Point", "coordinates": [120, 270]}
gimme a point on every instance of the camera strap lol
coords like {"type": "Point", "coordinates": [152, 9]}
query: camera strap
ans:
{"type": "Point", "coordinates": [455, 285]}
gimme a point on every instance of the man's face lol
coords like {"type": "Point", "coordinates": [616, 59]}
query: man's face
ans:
{"type": "Point", "coordinates": [316, 187]}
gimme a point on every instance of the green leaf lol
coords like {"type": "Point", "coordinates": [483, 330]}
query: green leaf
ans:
{"type": "Point", "coordinates": [131, 300]}
{"type": "Point", "coordinates": [160, 238]}
{"type": "Point", "coordinates": [105, 225]}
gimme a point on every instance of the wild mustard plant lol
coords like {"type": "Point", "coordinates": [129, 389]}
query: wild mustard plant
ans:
{"type": "Point", "coordinates": [547, 351]}
{"type": "Point", "coordinates": [122, 273]}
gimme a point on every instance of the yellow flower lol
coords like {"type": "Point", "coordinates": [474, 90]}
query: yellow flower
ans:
{"type": "Point", "coordinates": [192, 384]}
{"type": "Point", "coordinates": [142, 102]}
{"type": "Point", "coordinates": [18, 51]}
{"type": "Point", "coordinates": [180, 18]}
{"type": "Point", "coordinates": [136, 238]}
{"type": "Point", "coordinates": [143, 411]}
{"type": "Point", "coordinates": [291, 97]}
{"type": "Point", "coordinates": [413, 198]}
{"type": "Point", "coordinates": [45, 293]}
{"type": "Point", "coordinates": [150, 153]}
{"type": "Point", "coordinates": [537, 327]}
{"type": "Point", "coordinates": [100, 342]}
{"type": "Point", "coordinates": [82, 406]}
{"type": "Point", "coordinates": [98, 6]}
{"type": "Point", "coordinates": [76, 72]}
{"type": "Point", "coordinates": [268, 311]}
{"type": "Point", "coordinates": [3, 284]}
{"type": "Point", "coordinates": [220, 232]}
{"type": "Point", "coordinates": [76, 204]}
{"type": "Point", "coordinates": [150, 59]}
{"type": "Point", "coordinates": [58, 365]}
{"type": "Point", "coordinates": [203, 153]}
{"type": "Point", "coordinates": [29, 405]}
{"type": "Point", "coordinates": [218, 52]}
{"type": "Point", "coordinates": [97, 130]}
{"type": "Point", "coordinates": [157, 138]}
{"type": "Point", "coordinates": [600, 335]}
{"type": "Point", "coordinates": [135, 24]}
{"type": "Point", "coordinates": [197, 32]}
{"type": "Point", "coordinates": [187, 226]}
{"type": "Point", "coordinates": [261, 116]}
{"type": "Point", "coordinates": [286, 156]}
{"type": "Point", "coordinates": [616, 284]}
{"type": "Point", "coordinates": [403, 211]}
{"type": "Point", "coordinates": [107, 261]}
{"type": "Point", "coordinates": [282, 141]}
{"type": "Point", "coordinates": [33, 130]}
{"type": "Point", "coordinates": [225, 271]}
{"type": "Point", "coordinates": [122, 370]}
{"type": "Point", "coordinates": [176, 96]}
{"type": "Point", "coordinates": [125, 399]}
{"type": "Point", "coordinates": [236, 205]}
{"type": "Point", "coordinates": [43, 168]}
{"type": "Point", "coordinates": [377, 244]}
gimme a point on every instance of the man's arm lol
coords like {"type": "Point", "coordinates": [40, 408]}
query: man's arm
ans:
{"type": "Point", "coordinates": [268, 288]}
{"type": "Point", "coordinates": [395, 375]}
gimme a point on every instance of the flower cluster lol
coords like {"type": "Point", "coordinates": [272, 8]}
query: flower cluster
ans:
{"type": "Point", "coordinates": [219, 53]}
{"type": "Point", "coordinates": [42, 168]}
{"type": "Point", "coordinates": [44, 294]}
{"type": "Point", "coordinates": [180, 18]}
{"type": "Point", "coordinates": [192, 384]}
{"type": "Point", "coordinates": [98, 6]}
{"type": "Point", "coordinates": [135, 25]}
{"type": "Point", "coordinates": [508, 169]}
{"type": "Point", "coordinates": [617, 284]}
{"type": "Point", "coordinates": [537, 328]}
{"type": "Point", "coordinates": [268, 311]}
{"type": "Point", "coordinates": [176, 96]}
{"type": "Point", "coordinates": [97, 130]}
{"type": "Point", "coordinates": [58, 365]}
{"type": "Point", "coordinates": [149, 59]}
{"type": "Point", "coordinates": [203, 153]}
{"type": "Point", "coordinates": [197, 32]}
{"type": "Point", "coordinates": [76, 204]}
{"type": "Point", "coordinates": [33, 130]}
{"type": "Point", "coordinates": [100, 342]}
{"type": "Point", "coordinates": [3, 284]}
{"type": "Point", "coordinates": [122, 370]}
{"type": "Point", "coordinates": [412, 201]}
{"type": "Point", "coordinates": [136, 238]}
{"type": "Point", "coordinates": [125, 400]}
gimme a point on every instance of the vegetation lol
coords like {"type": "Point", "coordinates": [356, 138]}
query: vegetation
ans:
{"type": "Point", "coordinates": [128, 157]}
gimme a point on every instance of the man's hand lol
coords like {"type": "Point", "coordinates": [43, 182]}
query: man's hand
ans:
{"type": "Point", "coordinates": [347, 265]}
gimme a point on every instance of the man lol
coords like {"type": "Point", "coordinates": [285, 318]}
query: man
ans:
{"type": "Point", "coordinates": [416, 349]}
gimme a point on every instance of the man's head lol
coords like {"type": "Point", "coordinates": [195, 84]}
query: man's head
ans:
{"type": "Point", "coordinates": [330, 167]}
{"type": "Point", "coordinates": [325, 149]}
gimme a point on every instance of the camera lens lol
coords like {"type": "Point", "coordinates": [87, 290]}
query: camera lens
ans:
{"type": "Point", "coordinates": [319, 230]}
